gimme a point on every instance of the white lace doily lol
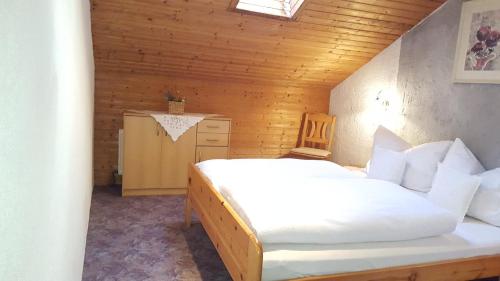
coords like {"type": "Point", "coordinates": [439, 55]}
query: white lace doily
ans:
{"type": "Point", "coordinates": [176, 125]}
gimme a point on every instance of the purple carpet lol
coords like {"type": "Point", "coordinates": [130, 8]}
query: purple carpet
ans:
{"type": "Point", "coordinates": [142, 238]}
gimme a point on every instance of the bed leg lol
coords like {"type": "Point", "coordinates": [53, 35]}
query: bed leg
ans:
{"type": "Point", "coordinates": [187, 212]}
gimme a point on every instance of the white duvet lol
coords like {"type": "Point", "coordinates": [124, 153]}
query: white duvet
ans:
{"type": "Point", "coordinates": [240, 170]}
{"type": "Point", "coordinates": [324, 208]}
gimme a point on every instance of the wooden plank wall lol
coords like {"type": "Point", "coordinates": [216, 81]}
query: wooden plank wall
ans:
{"type": "Point", "coordinates": [249, 63]}
{"type": "Point", "coordinates": [266, 117]}
{"type": "Point", "coordinates": [328, 41]}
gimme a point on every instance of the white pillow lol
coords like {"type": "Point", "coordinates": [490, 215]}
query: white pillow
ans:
{"type": "Point", "coordinates": [460, 158]}
{"type": "Point", "coordinates": [421, 164]}
{"type": "Point", "coordinates": [385, 138]}
{"type": "Point", "coordinates": [453, 190]}
{"type": "Point", "coordinates": [486, 203]}
{"type": "Point", "coordinates": [387, 165]}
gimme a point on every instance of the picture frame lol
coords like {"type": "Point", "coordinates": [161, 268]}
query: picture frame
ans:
{"type": "Point", "coordinates": [477, 57]}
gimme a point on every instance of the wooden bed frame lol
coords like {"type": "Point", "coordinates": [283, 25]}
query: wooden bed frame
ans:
{"type": "Point", "coordinates": [242, 253]}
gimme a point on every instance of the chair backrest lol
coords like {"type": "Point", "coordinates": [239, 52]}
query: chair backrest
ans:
{"type": "Point", "coordinates": [317, 131]}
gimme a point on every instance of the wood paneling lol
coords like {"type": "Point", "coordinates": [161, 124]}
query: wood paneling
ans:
{"type": "Point", "coordinates": [266, 118]}
{"type": "Point", "coordinates": [205, 39]}
{"type": "Point", "coordinates": [260, 71]}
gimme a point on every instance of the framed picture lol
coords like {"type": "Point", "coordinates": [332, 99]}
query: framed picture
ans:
{"type": "Point", "coordinates": [477, 59]}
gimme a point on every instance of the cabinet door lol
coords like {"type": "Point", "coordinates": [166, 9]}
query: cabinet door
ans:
{"type": "Point", "coordinates": [175, 158]}
{"type": "Point", "coordinates": [142, 153]}
{"type": "Point", "coordinates": [210, 152]}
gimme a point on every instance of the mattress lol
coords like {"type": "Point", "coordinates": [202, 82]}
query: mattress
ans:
{"type": "Point", "coordinates": [286, 261]}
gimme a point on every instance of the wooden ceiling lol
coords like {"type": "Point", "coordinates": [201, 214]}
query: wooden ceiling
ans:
{"type": "Point", "coordinates": [203, 39]}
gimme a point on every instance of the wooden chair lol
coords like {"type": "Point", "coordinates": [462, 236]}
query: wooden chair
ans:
{"type": "Point", "coordinates": [314, 141]}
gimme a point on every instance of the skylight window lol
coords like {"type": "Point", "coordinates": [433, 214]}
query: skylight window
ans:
{"type": "Point", "coordinates": [277, 8]}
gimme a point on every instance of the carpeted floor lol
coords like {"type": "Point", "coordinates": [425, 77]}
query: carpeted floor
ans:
{"type": "Point", "coordinates": [142, 238]}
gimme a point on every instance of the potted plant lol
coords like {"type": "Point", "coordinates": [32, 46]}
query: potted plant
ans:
{"type": "Point", "coordinates": [175, 103]}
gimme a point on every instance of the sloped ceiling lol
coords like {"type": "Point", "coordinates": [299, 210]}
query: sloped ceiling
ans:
{"type": "Point", "coordinates": [204, 39]}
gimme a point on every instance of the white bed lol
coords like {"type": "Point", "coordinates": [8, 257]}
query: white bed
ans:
{"type": "Point", "coordinates": [220, 170]}
{"type": "Point", "coordinates": [286, 261]}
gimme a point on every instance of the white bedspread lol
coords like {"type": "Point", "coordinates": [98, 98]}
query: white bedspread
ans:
{"type": "Point", "coordinates": [317, 202]}
{"type": "Point", "coordinates": [221, 171]}
{"type": "Point", "coordinates": [331, 211]}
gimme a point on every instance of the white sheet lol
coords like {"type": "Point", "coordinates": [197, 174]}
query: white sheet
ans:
{"type": "Point", "coordinates": [333, 211]}
{"type": "Point", "coordinates": [222, 171]}
{"type": "Point", "coordinates": [297, 201]}
{"type": "Point", "coordinates": [286, 261]}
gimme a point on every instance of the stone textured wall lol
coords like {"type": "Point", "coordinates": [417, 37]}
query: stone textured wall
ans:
{"type": "Point", "coordinates": [434, 107]}
{"type": "Point", "coordinates": [357, 110]}
{"type": "Point", "coordinates": [426, 105]}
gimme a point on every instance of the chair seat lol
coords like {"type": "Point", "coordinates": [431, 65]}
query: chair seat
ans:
{"type": "Point", "coordinates": [312, 152]}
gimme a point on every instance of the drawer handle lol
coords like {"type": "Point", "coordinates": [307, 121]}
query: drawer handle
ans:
{"type": "Point", "coordinates": [211, 139]}
{"type": "Point", "coordinates": [213, 127]}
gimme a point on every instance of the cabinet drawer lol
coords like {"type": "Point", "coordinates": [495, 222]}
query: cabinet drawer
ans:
{"type": "Point", "coordinates": [210, 152]}
{"type": "Point", "coordinates": [214, 126]}
{"type": "Point", "coordinates": [209, 139]}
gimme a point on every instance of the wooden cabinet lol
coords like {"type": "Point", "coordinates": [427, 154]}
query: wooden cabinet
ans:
{"type": "Point", "coordinates": [142, 157]}
{"type": "Point", "coordinates": [175, 157]}
{"type": "Point", "coordinates": [153, 164]}
{"type": "Point", "coordinates": [212, 139]}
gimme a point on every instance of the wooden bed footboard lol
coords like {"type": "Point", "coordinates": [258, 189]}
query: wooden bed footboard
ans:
{"type": "Point", "coordinates": [242, 253]}
{"type": "Point", "coordinates": [235, 242]}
